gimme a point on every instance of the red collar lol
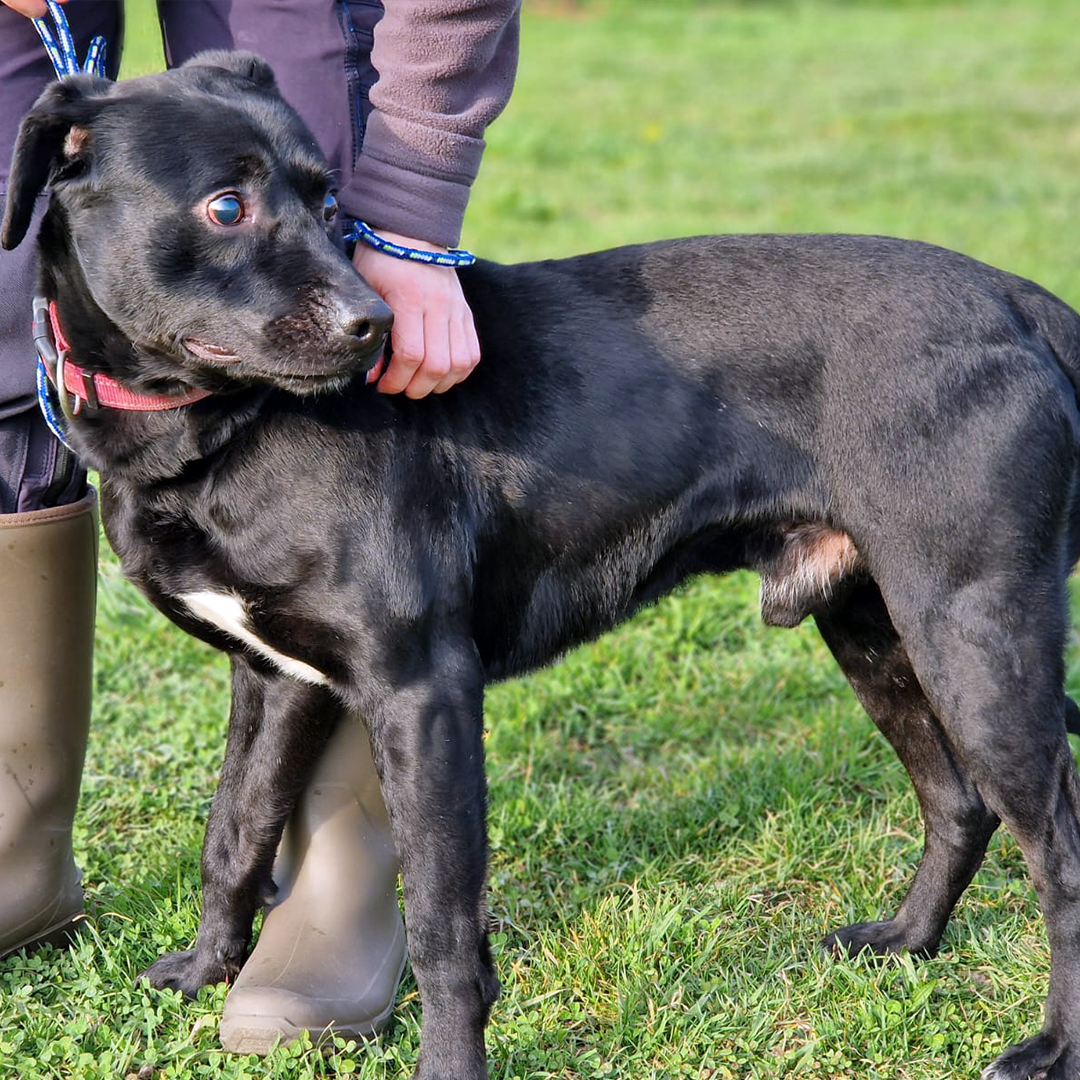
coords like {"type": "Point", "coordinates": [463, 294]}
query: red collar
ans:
{"type": "Point", "coordinates": [95, 390]}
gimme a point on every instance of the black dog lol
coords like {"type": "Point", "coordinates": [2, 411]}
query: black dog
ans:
{"type": "Point", "coordinates": [888, 431]}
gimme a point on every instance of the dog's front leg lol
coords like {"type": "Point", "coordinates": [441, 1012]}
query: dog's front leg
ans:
{"type": "Point", "coordinates": [277, 729]}
{"type": "Point", "coordinates": [427, 739]}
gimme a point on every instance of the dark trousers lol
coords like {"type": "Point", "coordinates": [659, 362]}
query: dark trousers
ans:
{"type": "Point", "coordinates": [320, 53]}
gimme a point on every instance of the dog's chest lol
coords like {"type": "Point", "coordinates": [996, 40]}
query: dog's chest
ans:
{"type": "Point", "coordinates": [189, 572]}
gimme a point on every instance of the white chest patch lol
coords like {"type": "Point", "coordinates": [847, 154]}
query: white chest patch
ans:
{"type": "Point", "coordinates": [226, 611]}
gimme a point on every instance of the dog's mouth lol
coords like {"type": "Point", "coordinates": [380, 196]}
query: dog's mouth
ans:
{"type": "Point", "coordinates": [338, 367]}
{"type": "Point", "coordinates": [311, 384]}
{"type": "Point", "coordinates": [207, 350]}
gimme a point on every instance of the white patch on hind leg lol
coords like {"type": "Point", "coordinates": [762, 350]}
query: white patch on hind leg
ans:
{"type": "Point", "coordinates": [227, 612]}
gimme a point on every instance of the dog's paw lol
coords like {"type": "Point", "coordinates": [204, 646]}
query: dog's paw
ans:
{"type": "Point", "coordinates": [877, 938]}
{"type": "Point", "coordinates": [446, 1071]}
{"type": "Point", "coordinates": [187, 972]}
{"type": "Point", "coordinates": [1044, 1057]}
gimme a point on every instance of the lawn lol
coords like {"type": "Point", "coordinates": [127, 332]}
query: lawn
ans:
{"type": "Point", "coordinates": [680, 810]}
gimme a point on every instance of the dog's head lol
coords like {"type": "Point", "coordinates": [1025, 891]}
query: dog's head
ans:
{"type": "Point", "coordinates": [193, 211]}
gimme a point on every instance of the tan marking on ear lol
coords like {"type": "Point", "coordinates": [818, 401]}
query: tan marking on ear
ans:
{"type": "Point", "coordinates": [75, 143]}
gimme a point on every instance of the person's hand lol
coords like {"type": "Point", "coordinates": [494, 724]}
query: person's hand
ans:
{"type": "Point", "coordinates": [434, 339]}
{"type": "Point", "coordinates": [32, 9]}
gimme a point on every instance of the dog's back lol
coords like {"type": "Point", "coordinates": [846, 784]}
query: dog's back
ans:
{"type": "Point", "coordinates": [684, 406]}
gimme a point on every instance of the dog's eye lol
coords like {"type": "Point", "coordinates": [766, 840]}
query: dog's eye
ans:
{"type": "Point", "coordinates": [227, 209]}
{"type": "Point", "coordinates": [329, 207]}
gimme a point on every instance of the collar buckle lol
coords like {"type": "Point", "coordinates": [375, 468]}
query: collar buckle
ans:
{"type": "Point", "coordinates": [87, 389]}
{"type": "Point", "coordinates": [88, 396]}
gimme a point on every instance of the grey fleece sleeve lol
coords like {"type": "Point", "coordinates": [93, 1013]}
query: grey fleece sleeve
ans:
{"type": "Point", "coordinates": [446, 69]}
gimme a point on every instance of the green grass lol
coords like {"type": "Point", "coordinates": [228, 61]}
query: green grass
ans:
{"type": "Point", "coordinates": [681, 810]}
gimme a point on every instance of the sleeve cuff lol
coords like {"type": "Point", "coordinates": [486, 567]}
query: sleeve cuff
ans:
{"type": "Point", "coordinates": [398, 183]}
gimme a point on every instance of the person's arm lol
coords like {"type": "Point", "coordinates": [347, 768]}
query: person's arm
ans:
{"type": "Point", "coordinates": [446, 69]}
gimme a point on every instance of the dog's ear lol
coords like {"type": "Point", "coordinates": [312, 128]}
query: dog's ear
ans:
{"type": "Point", "coordinates": [52, 135]}
{"type": "Point", "coordinates": [245, 64]}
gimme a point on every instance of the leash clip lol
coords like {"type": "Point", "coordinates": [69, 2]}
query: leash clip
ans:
{"type": "Point", "coordinates": [44, 342]}
{"type": "Point", "coordinates": [50, 368]}
{"type": "Point", "coordinates": [54, 359]}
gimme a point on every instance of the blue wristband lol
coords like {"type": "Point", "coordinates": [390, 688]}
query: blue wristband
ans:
{"type": "Point", "coordinates": [453, 257]}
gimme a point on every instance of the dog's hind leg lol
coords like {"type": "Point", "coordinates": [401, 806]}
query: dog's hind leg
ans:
{"type": "Point", "coordinates": [278, 727]}
{"type": "Point", "coordinates": [988, 652]}
{"type": "Point", "coordinates": [957, 822]}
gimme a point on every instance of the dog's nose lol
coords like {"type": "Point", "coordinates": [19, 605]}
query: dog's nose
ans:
{"type": "Point", "coordinates": [368, 324]}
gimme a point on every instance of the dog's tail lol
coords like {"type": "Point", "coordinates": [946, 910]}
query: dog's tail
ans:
{"type": "Point", "coordinates": [1051, 322]}
{"type": "Point", "coordinates": [1056, 324]}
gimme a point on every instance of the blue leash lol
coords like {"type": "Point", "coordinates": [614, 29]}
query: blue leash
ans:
{"type": "Point", "coordinates": [48, 410]}
{"type": "Point", "coordinates": [61, 46]}
{"type": "Point", "coordinates": [65, 61]}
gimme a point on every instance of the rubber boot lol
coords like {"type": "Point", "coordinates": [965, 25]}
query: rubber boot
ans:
{"type": "Point", "coordinates": [48, 570]}
{"type": "Point", "coordinates": [332, 946]}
